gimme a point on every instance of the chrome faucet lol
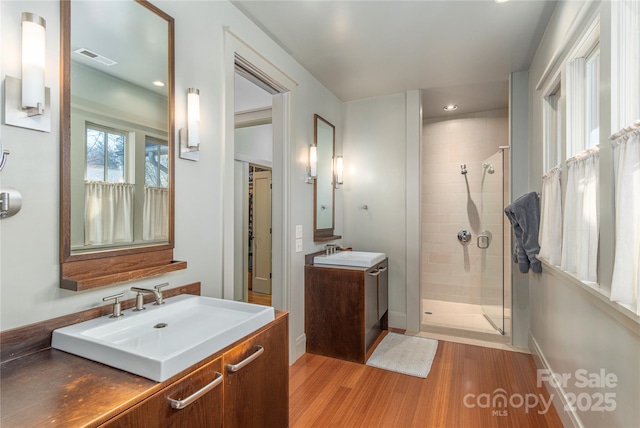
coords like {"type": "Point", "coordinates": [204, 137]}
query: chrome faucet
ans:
{"type": "Point", "coordinates": [117, 308]}
{"type": "Point", "coordinates": [157, 293]}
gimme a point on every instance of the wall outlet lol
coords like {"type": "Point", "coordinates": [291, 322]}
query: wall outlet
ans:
{"type": "Point", "coordinates": [298, 245]}
{"type": "Point", "coordinates": [299, 231]}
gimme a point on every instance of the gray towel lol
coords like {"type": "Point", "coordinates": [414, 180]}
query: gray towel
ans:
{"type": "Point", "coordinates": [524, 215]}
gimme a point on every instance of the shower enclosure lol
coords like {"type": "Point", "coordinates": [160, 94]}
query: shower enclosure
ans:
{"type": "Point", "coordinates": [491, 241]}
{"type": "Point", "coordinates": [464, 185]}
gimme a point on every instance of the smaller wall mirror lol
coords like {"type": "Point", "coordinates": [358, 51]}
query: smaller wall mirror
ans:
{"type": "Point", "coordinates": [323, 187]}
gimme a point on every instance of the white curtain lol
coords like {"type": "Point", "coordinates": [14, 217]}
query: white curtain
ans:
{"type": "Point", "coordinates": [155, 214]}
{"type": "Point", "coordinates": [108, 212]}
{"type": "Point", "coordinates": [625, 284]}
{"type": "Point", "coordinates": [580, 223]}
{"type": "Point", "coordinates": [551, 217]}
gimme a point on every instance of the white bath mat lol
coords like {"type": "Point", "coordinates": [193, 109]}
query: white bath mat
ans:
{"type": "Point", "coordinates": [410, 355]}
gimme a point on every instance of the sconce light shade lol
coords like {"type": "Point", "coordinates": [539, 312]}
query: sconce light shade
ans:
{"type": "Point", "coordinates": [313, 161]}
{"type": "Point", "coordinates": [33, 61]}
{"type": "Point", "coordinates": [339, 171]}
{"type": "Point", "coordinates": [27, 102]}
{"type": "Point", "coordinates": [193, 117]}
{"type": "Point", "coordinates": [189, 137]}
{"type": "Point", "coordinates": [312, 168]}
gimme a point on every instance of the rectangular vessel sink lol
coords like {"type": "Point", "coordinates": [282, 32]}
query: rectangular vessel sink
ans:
{"type": "Point", "coordinates": [161, 341]}
{"type": "Point", "coordinates": [350, 258]}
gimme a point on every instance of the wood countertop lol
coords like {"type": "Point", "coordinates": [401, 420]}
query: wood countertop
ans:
{"type": "Point", "coordinates": [53, 388]}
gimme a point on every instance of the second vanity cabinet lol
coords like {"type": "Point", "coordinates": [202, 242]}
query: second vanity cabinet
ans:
{"type": "Point", "coordinates": [249, 388]}
{"type": "Point", "coordinates": [345, 309]}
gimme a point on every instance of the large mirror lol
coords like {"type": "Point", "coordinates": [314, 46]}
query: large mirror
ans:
{"type": "Point", "coordinates": [116, 137]}
{"type": "Point", "coordinates": [323, 194]}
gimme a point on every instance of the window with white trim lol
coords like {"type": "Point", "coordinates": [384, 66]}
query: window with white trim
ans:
{"type": "Point", "coordinates": [583, 93]}
{"type": "Point", "coordinates": [156, 162]}
{"type": "Point", "coordinates": [552, 120]}
{"type": "Point", "coordinates": [105, 150]}
{"type": "Point", "coordinates": [592, 90]}
{"type": "Point", "coordinates": [625, 63]}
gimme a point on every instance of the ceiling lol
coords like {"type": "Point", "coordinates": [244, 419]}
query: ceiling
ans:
{"type": "Point", "coordinates": [458, 52]}
{"type": "Point", "coordinates": [124, 32]}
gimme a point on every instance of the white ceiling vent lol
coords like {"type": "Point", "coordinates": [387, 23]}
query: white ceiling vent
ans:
{"type": "Point", "coordinates": [96, 57]}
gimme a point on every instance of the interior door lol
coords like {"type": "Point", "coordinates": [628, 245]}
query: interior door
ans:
{"type": "Point", "coordinates": [261, 269]}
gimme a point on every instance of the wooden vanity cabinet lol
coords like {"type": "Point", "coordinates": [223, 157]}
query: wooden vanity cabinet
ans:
{"type": "Point", "coordinates": [156, 411]}
{"type": "Point", "coordinates": [345, 309]}
{"type": "Point", "coordinates": [257, 394]}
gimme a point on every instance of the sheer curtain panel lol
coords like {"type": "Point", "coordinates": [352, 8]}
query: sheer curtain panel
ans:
{"type": "Point", "coordinates": [156, 214]}
{"type": "Point", "coordinates": [551, 217]}
{"type": "Point", "coordinates": [580, 223]}
{"type": "Point", "coordinates": [625, 284]}
{"type": "Point", "coordinates": [108, 212]}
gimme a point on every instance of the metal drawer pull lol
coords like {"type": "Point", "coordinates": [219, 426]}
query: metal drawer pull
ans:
{"type": "Point", "coordinates": [382, 269]}
{"type": "Point", "coordinates": [181, 404]}
{"type": "Point", "coordinates": [235, 367]}
{"type": "Point", "coordinates": [375, 272]}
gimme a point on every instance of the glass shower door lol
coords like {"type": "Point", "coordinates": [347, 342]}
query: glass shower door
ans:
{"type": "Point", "coordinates": [490, 241]}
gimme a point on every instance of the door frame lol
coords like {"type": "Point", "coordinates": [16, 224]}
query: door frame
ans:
{"type": "Point", "coordinates": [236, 50]}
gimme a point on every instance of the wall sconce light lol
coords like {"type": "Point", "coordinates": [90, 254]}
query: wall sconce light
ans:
{"type": "Point", "coordinates": [312, 168]}
{"type": "Point", "coordinates": [190, 136]}
{"type": "Point", "coordinates": [27, 100]}
{"type": "Point", "coordinates": [339, 168]}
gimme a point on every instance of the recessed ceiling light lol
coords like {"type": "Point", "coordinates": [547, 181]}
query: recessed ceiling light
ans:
{"type": "Point", "coordinates": [158, 83]}
{"type": "Point", "coordinates": [450, 107]}
{"type": "Point", "coordinates": [500, 1]}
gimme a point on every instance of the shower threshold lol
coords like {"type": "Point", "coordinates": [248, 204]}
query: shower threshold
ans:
{"type": "Point", "coordinates": [459, 319]}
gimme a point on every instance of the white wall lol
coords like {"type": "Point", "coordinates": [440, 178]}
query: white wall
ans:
{"type": "Point", "coordinates": [573, 329]}
{"type": "Point", "coordinates": [374, 156]}
{"type": "Point", "coordinates": [519, 183]}
{"type": "Point", "coordinates": [29, 278]}
{"type": "Point", "coordinates": [255, 144]}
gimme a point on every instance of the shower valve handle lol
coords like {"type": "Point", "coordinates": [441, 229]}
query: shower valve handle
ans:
{"type": "Point", "coordinates": [464, 236]}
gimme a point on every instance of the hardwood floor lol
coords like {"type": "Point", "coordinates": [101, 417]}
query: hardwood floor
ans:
{"type": "Point", "coordinates": [259, 298]}
{"type": "Point", "coordinates": [325, 392]}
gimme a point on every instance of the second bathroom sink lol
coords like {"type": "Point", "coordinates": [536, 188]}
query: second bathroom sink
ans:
{"type": "Point", "coordinates": [350, 258]}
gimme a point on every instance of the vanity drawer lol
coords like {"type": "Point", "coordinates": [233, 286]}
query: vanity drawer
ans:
{"type": "Point", "coordinates": [160, 410]}
{"type": "Point", "coordinates": [256, 380]}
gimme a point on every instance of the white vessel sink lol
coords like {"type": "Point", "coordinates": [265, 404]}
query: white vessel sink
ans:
{"type": "Point", "coordinates": [195, 327]}
{"type": "Point", "coordinates": [350, 258]}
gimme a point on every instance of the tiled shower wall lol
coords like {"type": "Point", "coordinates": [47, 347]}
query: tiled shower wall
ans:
{"type": "Point", "coordinates": [451, 272]}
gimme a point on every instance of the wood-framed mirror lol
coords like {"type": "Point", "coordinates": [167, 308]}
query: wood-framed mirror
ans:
{"type": "Point", "coordinates": [324, 185]}
{"type": "Point", "coordinates": [116, 137]}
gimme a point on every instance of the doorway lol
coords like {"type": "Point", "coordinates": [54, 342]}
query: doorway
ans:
{"type": "Point", "coordinates": [260, 254]}
{"type": "Point", "coordinates": [238, 53]}
{"type": "Point", "coordinates": [253, 153]}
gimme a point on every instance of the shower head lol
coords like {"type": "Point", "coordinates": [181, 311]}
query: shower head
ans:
{"type": "Point", "coordinates": [463, 169]}
{"type": "Point", "coordinates": [488, 167]}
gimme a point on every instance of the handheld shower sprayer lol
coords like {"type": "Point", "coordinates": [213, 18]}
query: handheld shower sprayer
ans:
{"type": "Point", "coordinates": [463, 169]}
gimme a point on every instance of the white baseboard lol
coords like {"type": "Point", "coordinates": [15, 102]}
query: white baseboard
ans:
{"type": "Point", "coordinates": [560, 402]}
{"type": "Point", "coordinates": [298, 348]}
{"type": "Point", "coordinates": [398, 320]}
